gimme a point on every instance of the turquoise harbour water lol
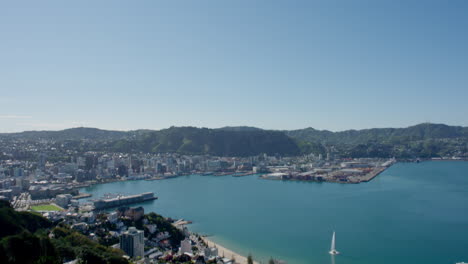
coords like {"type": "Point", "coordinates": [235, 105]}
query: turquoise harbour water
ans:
{"type": "Point", "coordinates": [411, 213]}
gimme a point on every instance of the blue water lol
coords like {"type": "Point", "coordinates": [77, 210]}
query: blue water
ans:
{"type": "Point", "coordinates": [411, 213]}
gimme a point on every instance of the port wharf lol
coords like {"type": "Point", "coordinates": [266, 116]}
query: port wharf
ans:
{"type": "Point", "coordinates": [82, 195]}
{"type": "Point", "coordinates": [362, 173]}
{"type": "Point", "coordinates": [123, 200]}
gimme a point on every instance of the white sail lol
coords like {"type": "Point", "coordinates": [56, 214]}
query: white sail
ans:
{"type": "Point", "coordinates": [333, 242]}
{"type": "Point", "coordinates": [333, 250]}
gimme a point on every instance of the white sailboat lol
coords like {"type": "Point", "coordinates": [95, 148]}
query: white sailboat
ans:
{"type": "Point", "coordinates": [333, 251]}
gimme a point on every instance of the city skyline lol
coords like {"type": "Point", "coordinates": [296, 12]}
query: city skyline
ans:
{"type": "Point", "coordinates": [126, 66]}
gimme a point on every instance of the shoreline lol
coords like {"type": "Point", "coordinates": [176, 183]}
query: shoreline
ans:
{"type": "Point", "coordinates": [223, 251]}
{"type": "Point", "coordinates": [90, 184]}
{"type": "Point", "coordinates": [251, 250]}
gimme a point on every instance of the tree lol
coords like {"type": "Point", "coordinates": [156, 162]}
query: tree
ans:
{"type": "Point", "coordinates": [39, 250]}
{"type": "Point", "coordinates": [194, 248]}
{"type": "Point", "coordinates": [89, 256]}
{"type": "Point", "coordinates": [249, 259]}
{"type": "Point", "coordinates": [271, 261]}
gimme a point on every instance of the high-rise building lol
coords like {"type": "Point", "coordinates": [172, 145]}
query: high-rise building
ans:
{"type": "Point", "coordinates": [132, 242]}
{"type": "Point", "coordinates": [63, 200]}
{"type": "Point", "coordinates": [210, 252]}
{"type": "Point", "coordinates": [185, 246]}
{"type": "Point", "coordinates": [41, 161]}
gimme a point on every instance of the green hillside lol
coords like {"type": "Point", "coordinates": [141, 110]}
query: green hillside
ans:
{"type": "Point", "coordinates": [27, 238]}
{"type": "Point", "coordinates": [423, 140]}
{"type": "Point", "coordinates": [424, 131]}
{"type": "Point", "coordinates": [191, 140]}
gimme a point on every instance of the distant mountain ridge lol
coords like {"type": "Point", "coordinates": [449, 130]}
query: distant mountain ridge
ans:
{"type": "Point", "coordinates": [420, 140]}
{"type": "Point", "coordinates": [417, 132]}
{"type": "Point", "coordinates": [239, 128]}
{"type": "Point", "coordinates": [77, 133]}
{"type": "Point", "coordinates": [422, 131]}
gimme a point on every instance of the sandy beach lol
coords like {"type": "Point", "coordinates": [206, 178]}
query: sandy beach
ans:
{"type": "Point", "coordinates": [222, 251]}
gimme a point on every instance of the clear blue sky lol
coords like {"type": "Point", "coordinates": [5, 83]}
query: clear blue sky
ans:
{"type": "Point", "coordinates": [272, 64]}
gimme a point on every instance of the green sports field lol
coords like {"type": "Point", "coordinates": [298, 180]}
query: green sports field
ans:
{"type": "Point", "coordinates": [46, 207]}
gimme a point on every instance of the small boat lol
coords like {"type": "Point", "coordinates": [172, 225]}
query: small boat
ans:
{"type": "Point", "coordinates": [333, 251]}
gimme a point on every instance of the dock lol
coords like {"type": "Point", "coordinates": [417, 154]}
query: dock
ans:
{"type": "Point", "coordinates": [181, 222]}
{"type": "Point", "coordinates": [82, 195]}
{"type": "Point", "coordinates": [123, 200]}
{"type": "Point", "coordinates": [368, 177]}
{"type": "Point", "coordinates": [244, 174]}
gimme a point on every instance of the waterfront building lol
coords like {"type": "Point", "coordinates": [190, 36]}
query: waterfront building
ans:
{"type": "Point", "coordinates": [210, 252]}
{"type": "Point", "coordinates": [185, 246]}
{"type": "Point", "coordinates": [355, 164]}
{"type": "Point", "coordinates": [122, 200]}
{"type": "Point", "coordinates": [63, 200]}
{"type": "Point", "coordinates": [275, 175]}
{"type": "Point", "coordinates": [132, 242]}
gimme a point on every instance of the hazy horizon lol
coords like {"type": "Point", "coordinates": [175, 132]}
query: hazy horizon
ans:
{"type": "Point", "coordinates": [123, 65]}
{"type": "Point", "coordinates": [151, 129]}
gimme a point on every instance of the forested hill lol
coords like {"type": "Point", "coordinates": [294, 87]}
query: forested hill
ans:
{"type": "Point", "coordinates": [425, 131]}
{"type": "Point", "coordinates": [220, 142]}
{"type": "Point", "coordinates": [423, 140]}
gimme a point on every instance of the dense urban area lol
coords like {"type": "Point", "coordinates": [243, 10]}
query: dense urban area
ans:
{"type": "Point", "coordinates": [41, 174]}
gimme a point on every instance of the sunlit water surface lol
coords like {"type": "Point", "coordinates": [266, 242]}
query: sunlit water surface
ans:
{"type": "Point", "coordinates": [411, 213]}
